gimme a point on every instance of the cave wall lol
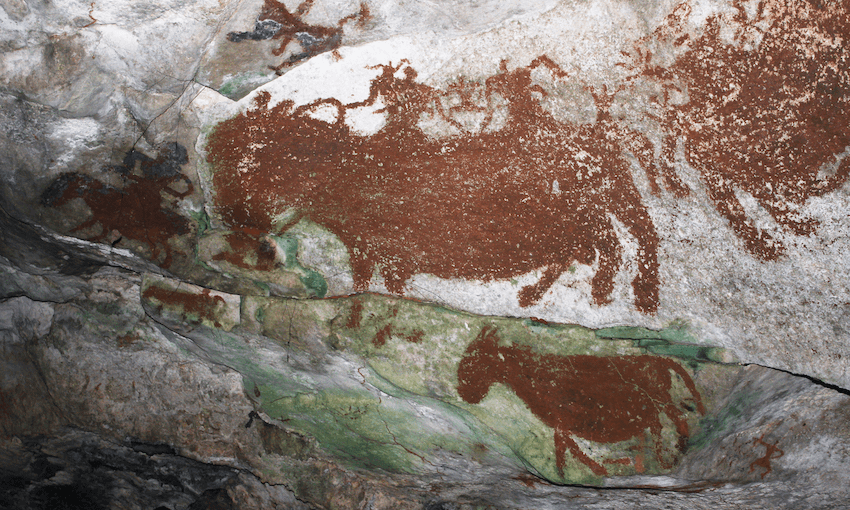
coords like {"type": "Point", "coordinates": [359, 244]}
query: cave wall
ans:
{"type": "Point", "coordinates": [339, 254]}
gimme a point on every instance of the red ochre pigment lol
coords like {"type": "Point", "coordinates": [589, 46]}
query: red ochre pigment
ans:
{"type": "Point", "coordinates": [313, 39]}
{"type": "Point", "coordinates": [135, 211]}
{"type": "Point", "coordinates": [765, 111]}
{"type": "Point", "coordinates": [598, 398]}
{"type": "Point", "coordinates": [203, 305]}
{"type": "Point", "coordinates": [242, 248]}
{"type": "Point", "coordinates": [771, 452]}
{"type": "Point", "coordinates": [494, 204]}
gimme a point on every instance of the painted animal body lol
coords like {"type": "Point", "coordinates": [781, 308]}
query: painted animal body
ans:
{"type": "Point", "coordinates": [767, 110]}
{"type": "Point", "coordinates": [597, 398]}
{"type": "Point", "coordinates": [491, 204]}
{"type": "Point", "coordinates": [135, 210]}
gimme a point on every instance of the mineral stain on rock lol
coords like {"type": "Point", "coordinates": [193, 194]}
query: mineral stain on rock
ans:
{"type": "Point", "coordinates": [603, 399]}
{"type": "Point", "coordinates": [485, 203]}
{"type": "Point", "coordinates": [768, 108]}
{"type": "Point", "coordinates": [136, 210]}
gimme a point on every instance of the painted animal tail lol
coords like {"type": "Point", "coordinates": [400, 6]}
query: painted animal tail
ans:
{"type": "Point", "coordinates": [674, 366]}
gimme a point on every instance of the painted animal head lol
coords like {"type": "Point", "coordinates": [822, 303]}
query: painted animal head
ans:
{"type": "Point", "coordinates": [479, 368]}
{"type": "Point", "coordinates": [69, 186]}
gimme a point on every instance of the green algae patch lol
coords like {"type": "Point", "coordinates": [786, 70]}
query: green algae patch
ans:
{"type": "Point", "coordinates": [347, 424]}
{"type": "Point", "coordinates": [237, 86]}
{"type": "Point", "coordinates": [718, 425]}
{"type": "Point", "coordinates": [678, 332]}
{"type": "Point", "coordinates": [675, 340]}
{"type": "Point", "coordinates": [312, 280]}
{"type": "Point", "coordinates": [370, 429]}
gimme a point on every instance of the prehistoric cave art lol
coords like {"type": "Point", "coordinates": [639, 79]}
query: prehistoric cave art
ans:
{"type": "Point", "coordinates": [767, 110]}
{"type": "Point", "coordinates": [249, 252]}
{"type": "Point", "coordinates": [517, 191]}
{"type": "Point", "coordinates": [603, 399]}
{"type": "Point", "coordinates": [193, 307]}
{"type": "Point", "coordinates": [276, 22]}
{"type": "Point", "coordinates": [384, 325]}
{"type": "Point", "coordinates": [134, 211]}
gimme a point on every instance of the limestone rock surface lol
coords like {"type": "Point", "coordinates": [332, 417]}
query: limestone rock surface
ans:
{"type": "Point", "coordinates": [379, 254]}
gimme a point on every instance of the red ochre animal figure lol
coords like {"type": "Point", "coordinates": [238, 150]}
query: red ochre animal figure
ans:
{"type": "Point", "coordinates": [598, 398]}
{"type": "Point", "coordinates": [534, 193]}
{"type": "Point", "coordinates": [136, 210]}
{"type": "Point", "coordinates": [767, 109]}
{"type": "Point", "coordinates": [276, 22]}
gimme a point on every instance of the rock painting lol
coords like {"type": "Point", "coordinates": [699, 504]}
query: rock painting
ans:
{"type": "Point", "coordinates": [597, 398]}
{"type": "Point", "coordinates": [136, 210]}
{"type": "Point", "coordinates": [518, 191]}
{"type": "Point", "coordinates": [189, 305]}
{"type": "Point", "coordinates": [194, 307]}
{"type": "Point", "coordinates": [249, 252]}
{"type": "Point", "coordinates": [384, 325]}
{"type": "Point", "coordinates": [767, 109]}
{"type": "Point", "coordinates": [276, 22]}
{"type": "Point", "coordinates": [771, 452]}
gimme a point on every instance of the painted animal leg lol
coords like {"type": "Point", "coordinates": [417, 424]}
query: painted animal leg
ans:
{"type": "Point", "coordinates": [564, 441]}
{"type": "Point", "coordinates": [531, 294]}
{"type": "Point", "coordinates": [394, 279]}
{"type": "Point", "coordinates": [655, 432]}
{"type": "Point", "coordinates": [786, 217]}
{"type": "Point", "coordinates": [629, 209]}
{"type": "Point", "coordinates": [673, 182]}
{"type": "Point", "coordinates": [646, 284]}
{"type": "Point", "coordinates": [640, 146]}
{"type": "Point", "coordinates": [361, 269]}
{"type": "Point", "coordinates": [682, 429]}
{"type": "Point", "coordinates": [758, 243]}
{"type": "Point", "coordinates": [610, 257]}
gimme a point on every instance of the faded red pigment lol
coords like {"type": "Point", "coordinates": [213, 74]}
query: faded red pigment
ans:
{"type": "Point", "coordinates": [766, 109]}
{"type": "Point", "coordinates": [486, 205]}
{"type": "Point", "coordinates": [203, 305]}
{"type": "Point", "coordinates": [603, 399]}
{"type": "Point", "coordinates": [241, 244]}
{"type": "Point", "coordinates": [136, 211]}
{"type": "Point", "coordinates": [314, 39]}
{"type": "Point", "coordinates": [771, 452]}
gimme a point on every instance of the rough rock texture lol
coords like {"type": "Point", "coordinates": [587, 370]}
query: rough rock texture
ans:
{"type": "Point", "coordinates": [339, 254]}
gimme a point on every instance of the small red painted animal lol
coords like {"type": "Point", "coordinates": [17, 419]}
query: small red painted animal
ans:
{"type": "Point", "coordinates": [532, 194]}
{"type": "Point", "coordinates": [603, 399]}
{"type": "Point", "coordinates": [276, 22]}
{"type": "Point", "coordinates": [135, 210]}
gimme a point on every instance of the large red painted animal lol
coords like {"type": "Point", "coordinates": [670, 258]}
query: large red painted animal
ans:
{"type": "Point", "coordinates": [493, 202]}
{"type": "Point", "coordinates": [598, 398]}
{"type": "Point", "coordinates": [766, 108]}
